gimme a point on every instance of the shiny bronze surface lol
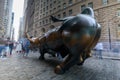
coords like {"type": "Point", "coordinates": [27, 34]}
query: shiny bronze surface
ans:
{"type": "Point", "coordinates": [74, 38]}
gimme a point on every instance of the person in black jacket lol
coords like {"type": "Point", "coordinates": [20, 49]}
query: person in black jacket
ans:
{"type": "Point", "coordinates": [10, 44]}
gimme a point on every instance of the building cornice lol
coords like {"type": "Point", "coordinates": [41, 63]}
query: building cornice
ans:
{"type": "Point", "coordinates": [106, 6]}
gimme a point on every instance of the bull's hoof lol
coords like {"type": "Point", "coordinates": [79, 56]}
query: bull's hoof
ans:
{"type": "Point", "coordinates": [81, 63]}
{"type": "Point", "coordinates": [59, 70]}
{"type": "Point", "coordinates": [88, 55]}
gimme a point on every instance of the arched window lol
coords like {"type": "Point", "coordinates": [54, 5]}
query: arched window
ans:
{"type": "Point", "coordinates": [35, 33]}
{"type": "Point", "coordinates": [118, 31]}
{"type": "Point", "coordinates": [43, 29]}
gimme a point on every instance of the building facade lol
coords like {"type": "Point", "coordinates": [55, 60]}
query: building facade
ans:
{"type": "Point", "coordinates": [11, 27]}
{"type": "Point", "coordinates": [107, 13]}
{"type": "Point", "coordinates": [5, 17]}
{"type": "Point", "coordinates": [21, 29]}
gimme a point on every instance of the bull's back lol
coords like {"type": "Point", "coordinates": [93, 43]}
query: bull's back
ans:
{"type": "Point", "coordinates": [79, 32]}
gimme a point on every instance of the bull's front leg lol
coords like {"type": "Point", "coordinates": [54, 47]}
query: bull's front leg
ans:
{"type": "Point", "coordinates": [65, 65]}
{"type": "Point", "coordinates": [41, 51]}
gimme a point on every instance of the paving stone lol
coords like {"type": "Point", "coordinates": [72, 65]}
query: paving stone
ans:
{"type": "Point", "coordinates": [16, 67]}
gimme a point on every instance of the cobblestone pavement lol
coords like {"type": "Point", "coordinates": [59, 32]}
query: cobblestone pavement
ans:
{"type": "Point", "coordinates": [16, 67]}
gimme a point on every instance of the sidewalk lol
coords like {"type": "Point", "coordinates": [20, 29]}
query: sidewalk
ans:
{"type": "Point", "coordinates": [110, 55]}
{"type": "Point", "coordinates": [16, 67]}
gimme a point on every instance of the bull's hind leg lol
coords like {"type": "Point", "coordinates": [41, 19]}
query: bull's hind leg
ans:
{"type": "Point", "coordinates": [81, 60]}
{"type": "Point", "coordinates": [69, 62]}
{"type": "Point", "coordinates": [83, 57]}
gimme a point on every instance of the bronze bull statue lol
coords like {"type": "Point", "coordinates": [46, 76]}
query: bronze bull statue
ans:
{"type": "Point", "coordinates": [74, 39]}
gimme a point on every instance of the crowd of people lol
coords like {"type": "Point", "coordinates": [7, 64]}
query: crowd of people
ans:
{"type": "Point", "coordinates": [21, 46]}
{"type": "Point", "coordinates": [6, 47]}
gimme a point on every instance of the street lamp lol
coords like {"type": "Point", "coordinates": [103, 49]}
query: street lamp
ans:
{"type": "Point", "coordinates": [109, 32]}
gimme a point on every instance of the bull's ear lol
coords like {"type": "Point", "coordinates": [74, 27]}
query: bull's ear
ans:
{"type": "Point", "coordinates": [88, 11]}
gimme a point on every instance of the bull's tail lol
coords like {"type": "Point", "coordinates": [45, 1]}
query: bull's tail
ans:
{"type": "Point", "coordinates": [88, 11]}
{"type": "Point", "coordinates": [54, 19]}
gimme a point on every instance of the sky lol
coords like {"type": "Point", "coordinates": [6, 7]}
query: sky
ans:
{"type": "Point", "coordinates": [18, 12]}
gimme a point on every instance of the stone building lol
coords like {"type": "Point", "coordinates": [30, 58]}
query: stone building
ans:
{"type": "Point", "coordinates": [21, 29]}
{"type": "Point", "coordinates": [5, 17]}
{"type": "Point", "coordinates": [107, 13]}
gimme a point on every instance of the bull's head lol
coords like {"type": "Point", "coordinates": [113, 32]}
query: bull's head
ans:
{"type": "Point", "coordinates": [34, 41]}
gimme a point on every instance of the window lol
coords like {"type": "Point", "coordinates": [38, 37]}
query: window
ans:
{"type": "Point", "coordinates": [47, 1]}
{"type": "Point", "coordinates": [41, 5]}
{"type": "Point", "coordinates": [118, 11]}
{"type": "Point", "coordinates": [104, 2]}
{"type": "Point", "coordinates": [90, 4]}
{"type": "Point", "coordinates": [40, 16]}
{"type": "Point", "coordinates": [83, 7]}
{"type": "Point", "coordinates": [43, 22]}
{"type": "Point", "coordinates": [59, 1]}
{"type": "Point", "coordinates": [59, 16]}
{"type": "Point", "coordinates": [36, 14]}
{"type": "Point", "coordinates": [43, 9]}
{"type": "Point", "coordinates": [54, 2]}
{"type": "Point", "coordinates": [76, 0]}
{"type": "Point", "coordinates": [36, 25]}
{"type": "Point", "coordinates": [35, 33]}
{"type": "Point", "coordinates": [50, 11]}
{"type": "Point", "coordinates": [70, 11]}
{"type": "Point", "coordinates": [70, 2]}
{"type": "Point", "coordinates": [46, 7]}
{"type": "Point", "coordinates": [59, 7]}
{"type": "Point", "coordinates": [50, 20]}
{"type": "Point", "coordinates": [32, 2]}
{"type": "Point", "coordinates": [54, 9]}
{"type": "Point", "coordinates": [40, 11]}
{"type": "Point", "coordinates": [40, 23]}
{"type": "Point", "coordinates": [46, 13]}
{"type": "Point", "coordinates": [64, 14]}
{"type": "Point", "coordinates": [43, 29]}
{"type": "Point", "coordinates": [44, 3]}
{"type": "Point", "coordinates": [118, 0]}
{"type": "Point", "coordinates": [118, 31]}
{"type": "Point", "coordinates": [46, 21]}
{"type": "Point", "coordinates": [43, 14]}
{"type": "Point", "coordinates": [50, 5]}
{"type": "Point", "coordinates": [64, 5]}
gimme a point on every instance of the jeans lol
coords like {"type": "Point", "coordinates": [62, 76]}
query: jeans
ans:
{"type": "Point", "coordinates": [1, 48]}
{"type": "Point", "coordinates": [26, 51]}
{"type": "Point", "coordinates": [99, 52]}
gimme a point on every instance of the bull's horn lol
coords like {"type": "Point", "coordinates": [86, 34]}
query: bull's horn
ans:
{"type": "Point", "coordinates": [32, 40]}
{"type": "Point", "coordinates": [81, 59]}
